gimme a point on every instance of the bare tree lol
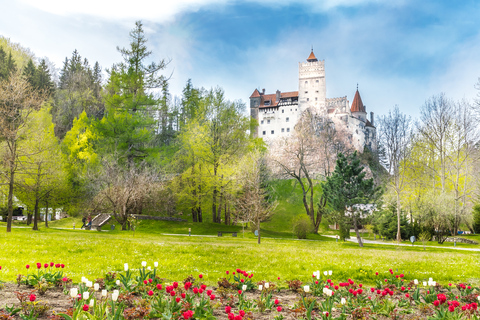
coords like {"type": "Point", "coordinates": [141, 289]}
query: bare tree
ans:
{"type": "Point", "coordinates": [17, 102]}
{"type": "Point", "coordinates": [308, 154]}
{"type": "Point", "coordinates": [395, 137]}
{"type": "Point", "coordinates": [252, 204]}
{"type": "Point", "coordinates": [124, 191]}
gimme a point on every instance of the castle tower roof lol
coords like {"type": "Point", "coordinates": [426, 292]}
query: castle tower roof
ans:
{"type": "Point", "coordinates": [255, 94]}
{"type": "Point", "coordinates": [357, 104]}
{"type": "Point", "coordinates": [311, 57]}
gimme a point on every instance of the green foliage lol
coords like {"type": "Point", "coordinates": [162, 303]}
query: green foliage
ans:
{"type": "Point", "coordinates": [476, 218]}
{"type": "Point", "coordinates": [302, 224]}
{"type": "Point", "coordinates": [385, 221]}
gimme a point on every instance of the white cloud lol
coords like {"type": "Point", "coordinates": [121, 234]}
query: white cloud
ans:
{"type": "Point", "coordinates": [166, 10]}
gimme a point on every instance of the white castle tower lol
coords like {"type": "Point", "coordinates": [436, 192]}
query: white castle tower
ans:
{"type": "Point", "coordinates": [312, 89]}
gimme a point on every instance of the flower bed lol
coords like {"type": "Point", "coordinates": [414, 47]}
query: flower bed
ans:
{"type": "Point", "coordinates": [45, 292]}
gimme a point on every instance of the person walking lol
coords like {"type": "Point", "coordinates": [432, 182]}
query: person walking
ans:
{"type": "Point", "coordinates": [83, 221]}
{"type": "Point", "coordinates": [89, 224]}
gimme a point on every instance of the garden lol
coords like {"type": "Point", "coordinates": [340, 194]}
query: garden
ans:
{"type": "Point", "coordinates": [67, 274]}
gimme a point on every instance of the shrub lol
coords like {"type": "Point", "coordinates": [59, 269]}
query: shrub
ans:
{"type": "Point", "coordinates": [476, 218]}
{"type": "Point", "coordinates": [301, 226]}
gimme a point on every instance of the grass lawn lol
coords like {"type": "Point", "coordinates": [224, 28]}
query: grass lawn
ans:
{"type": "Point", "coordinates": [92, 254]}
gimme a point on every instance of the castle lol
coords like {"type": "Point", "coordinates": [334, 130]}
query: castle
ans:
{"type": "Point", "coordinates": [278, 113]}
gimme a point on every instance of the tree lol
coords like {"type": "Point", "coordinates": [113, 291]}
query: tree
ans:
{"type": "Point", "coordinates": [18, 100]}
{"type": "Point", "coordinates": [40, 167]}
{"type": "Point", "coordinates": [347, 190]}
{"type": "Point", "coordinates": [129, 122]}
{"type": "Point", "coordinates": [79, 90]}
{"type": "Point", "coordinates": [395, 135]}
{"type": "Point", "coordinates": [123, 191]}
{"type": "Point", "coordinates": [253, 204]}
{"type": "Point", "coordinates": [308, 154]}
{"type": "Point", "coordinates": [223, 142]}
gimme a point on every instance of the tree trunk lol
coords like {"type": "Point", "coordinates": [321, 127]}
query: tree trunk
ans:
{"type": "Point", "coordinates": [36, 215]}
{"type": "Point", "coordinates": [10, 198]}
{"type": "Point", "coordinates": [29, 218]}
{"type": "Point", "coordinates": [258, 229]}
{"type": "Point", "coordinates": [46, 214]}
{"type": "Point", "coordinates": [399, 232]}
{"type": "Point", "coordinates": [227, 214]}
{"type": "Point", "coordinates": [359, 239]}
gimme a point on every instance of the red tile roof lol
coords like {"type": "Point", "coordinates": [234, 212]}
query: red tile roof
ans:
{"type": "Point", "coordinates": [272, 97]}
{"type": "Point", "coordinates": [255, 94]}
{"type": "Point", "coordinates": [357, 104]}
{"type": "Point", "coordinates": [311, 57]}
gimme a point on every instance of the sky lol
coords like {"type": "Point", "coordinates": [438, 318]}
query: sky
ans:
{"type": "Point", "coordinates": [399, 52]}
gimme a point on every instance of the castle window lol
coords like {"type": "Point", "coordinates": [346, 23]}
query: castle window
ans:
{"type": "Point", "coordinates": [306, 91]}
{"type": "Point", "coordinates": [261, 122]}
{"type": "Point", "coordinates": [316, 91]}
{"type": "Point", "coordinates": [264, 132]}
{"type": "Point", "coordinates": [316, 81]}
{"type": "Point", "coordinates": [306, 82]}
{"type": "Point", "coordinates": [267, 103]}
{"type": "Point", "coordinates": [283, 129]}
{"type": "Point", "coordinates": [288, 129]}
{"type": "Point", "coordinates": [273, 132]}
{"type": "Point", "coordinates": [288, 119]}
{"type": "Point", "coordinates": [316, 98]}
{"type": "Point", "coordinates": [283, 111]}
{"type": "Point", "coordinates": [268, 121]}
{"type": "Point", "coordinates": [295, 109]}
{"type": "Point", "coordinates": [308, 99]}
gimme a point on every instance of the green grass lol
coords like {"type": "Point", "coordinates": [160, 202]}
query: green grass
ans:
{"type": "Point", "coordinates": [92, 254]}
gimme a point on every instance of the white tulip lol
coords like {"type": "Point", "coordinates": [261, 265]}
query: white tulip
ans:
{"type": "Point", "coordinates": [114, 297]}
{"type": "Point", "coordinates": [73, 292]}
{"type": "Point", "coordinates": [325, 273]}
{"type": "Point", "coordinates": [267, 285]}
{"type": "Point", "coordinates": [144, 263]}
{"type": "Point", "coordinates": [424, 283]}
{"type": "Point", "coordinates": [478, 297]}
{"type": "Point", "coordinates": [329, 272]}
{"type": "Point", "coordinates": [244, 287]}
{"type": "Point", "coordinates": [89, 284]}
{"type": "Point", "coordinates": [415, 281]}
{"type": "Point", "coordinates": [84, 280]}
{"type": "Point", "coordinates": [91, 303]}
{"type": "Point", "coordinates": [306, 288]}
{"type": "Point", "coordinates": [117, 282]}
{"type": "Point", "coordinates": [155, 264]}
{"type": "Point", "coordinates": [96, 286]}
{"type": "Point", "coordinates": [430, 279]}
{"type": "Point", "coordinates": [104, 293]}
{"type": "Point", "coordinates": [343, 301]}
{"type": "Point", "coordinates": [260, 287]}
{"type": "Point", "coordinates": [149, 268]}
{"type": "Point", "coordinates": [115, 292]}
{"type": "Point", "coordinates": [86, 295]}
{"type": "Point", "coordinates": [125, 267]}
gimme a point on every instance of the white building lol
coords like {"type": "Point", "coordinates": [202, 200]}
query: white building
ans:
{"type": "Point", "coordinates": [278, 113]}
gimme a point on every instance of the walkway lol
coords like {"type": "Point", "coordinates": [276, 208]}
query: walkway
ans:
{"type": "Point", "coordinates": [354, 239]}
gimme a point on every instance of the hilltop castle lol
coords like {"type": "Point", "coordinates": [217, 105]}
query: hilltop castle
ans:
{"type": "Point", "coordinates": [278, 113]}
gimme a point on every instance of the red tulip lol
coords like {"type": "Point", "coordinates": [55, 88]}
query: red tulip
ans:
{"type": "Point", "coordinates": [279, 308]}
{"type": "Point", "coordinates": [85, 307]}
{"type": "Point", "coordinates": [33, 297]}
{"type": "Point", "coordinates": [150, 292]}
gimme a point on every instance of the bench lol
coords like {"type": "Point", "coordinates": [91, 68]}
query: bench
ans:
{"type": "Point", "coordinates": [220, 233]}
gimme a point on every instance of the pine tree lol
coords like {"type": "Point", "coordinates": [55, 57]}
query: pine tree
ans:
{"type": "Point", "coordinates": [347, 188]}
{"type": "Point", "coordinates": [44, 79]}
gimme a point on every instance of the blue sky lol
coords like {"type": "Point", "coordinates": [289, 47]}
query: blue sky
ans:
{"type": "Point", "coordinates": [400, 52]}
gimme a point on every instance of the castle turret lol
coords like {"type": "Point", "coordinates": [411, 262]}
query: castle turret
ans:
{"type": "Point", "coordinates": [358, 109]}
